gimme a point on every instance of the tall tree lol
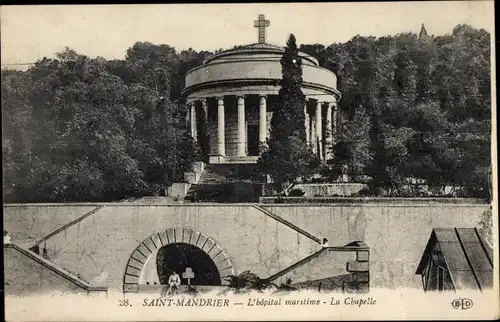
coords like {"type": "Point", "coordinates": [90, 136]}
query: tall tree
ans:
{"type": "Point", "coordinates": [288, 117]}
{"type": "Point", "coordinates": [287, 158]}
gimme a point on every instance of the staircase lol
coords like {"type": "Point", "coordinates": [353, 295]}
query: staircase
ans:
{"type": "Point", "coordinates": [215, 174]}
{"type": "Point", "coordinates": [295, 265]}
{"type": "Point", "coordinates": [226, 183]}
{"type": "Point", "coordinates": [21, 265]}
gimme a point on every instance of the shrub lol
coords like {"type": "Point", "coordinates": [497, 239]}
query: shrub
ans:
{"type": "Point", "coordinates": [296, 193]}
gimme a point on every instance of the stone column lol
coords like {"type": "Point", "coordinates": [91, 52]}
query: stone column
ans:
{"type": "Point", "coordinates": [263, 119]}
{"type": "Point", "coordinates": [306, 121]}
{"type": "Point", "coordinates": [221, 129]}
{"type": "Point", "coordinates": [312, 134]}
{"type": "Point", "coordinates": [194, 130]}
{"type": "Point", "coordinates": [329, 131]}
{"type": "Point", "coordinates": [204, 107]}
{"type": "Point", "coordinates": [319, 130]}
{"type": "Point", "coordinates": [241, 128]}
{"type": "Point", "coordinates": [334, 118]}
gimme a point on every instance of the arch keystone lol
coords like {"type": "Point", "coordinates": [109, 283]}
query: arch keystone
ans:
{"type": "Point", "coordinates": [170, 236]}
{"type": "Point", "coordinates": [186, 235]}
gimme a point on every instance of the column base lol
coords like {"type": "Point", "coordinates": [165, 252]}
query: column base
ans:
{"type": "Point", "coordinates": [216, 158]}
{"type": "Point", "coordinates": [241, 150]}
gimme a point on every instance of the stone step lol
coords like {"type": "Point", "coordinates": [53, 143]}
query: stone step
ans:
{"type": "Point", "coordinates": [224, 173]}
{"type": "Point", "coordinates": [238, 191]}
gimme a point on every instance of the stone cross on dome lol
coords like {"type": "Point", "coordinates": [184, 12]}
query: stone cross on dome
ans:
{"type": "Point", "coordinates": [261, 24]}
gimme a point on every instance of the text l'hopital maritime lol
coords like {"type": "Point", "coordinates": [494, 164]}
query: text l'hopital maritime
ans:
{"type": "Point", "coordinates": [350, 301]}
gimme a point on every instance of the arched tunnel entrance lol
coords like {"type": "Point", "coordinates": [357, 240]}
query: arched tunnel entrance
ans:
{"type": "Point", "coordinates": [179, 256]}
{"type": "Point", "coordinates": [175, 249]}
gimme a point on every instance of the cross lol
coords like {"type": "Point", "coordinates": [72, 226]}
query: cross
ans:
{"type": "Point", "coordinates": [261, 24]}
{"type": "Point", "coordinates": [188, 274]}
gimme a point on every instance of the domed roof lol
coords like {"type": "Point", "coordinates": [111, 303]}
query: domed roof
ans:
{"type": "Point", "coordinates": [259, 46]}
{"type": "Point", "coordinates": [255, 69]}
{"type": "Point", "coordinates": [256, 50]}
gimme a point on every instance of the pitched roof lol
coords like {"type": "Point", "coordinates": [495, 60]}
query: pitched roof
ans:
{"type": "Point", "coordinates": [468, 257]}
{"type": "Point", "coordinates": [423, 32]}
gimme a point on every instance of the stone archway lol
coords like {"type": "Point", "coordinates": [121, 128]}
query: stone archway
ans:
{"type": "Point", "coordinates": [142, 268]}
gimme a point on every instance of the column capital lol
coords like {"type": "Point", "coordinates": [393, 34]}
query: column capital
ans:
{"type": "Point", "coordinates": [263, 95]}
{"type": "Point", "coordinates": [221, 97]}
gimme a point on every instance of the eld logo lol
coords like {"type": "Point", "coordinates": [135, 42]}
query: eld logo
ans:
{"type": "Point", "coordinates": [463, 304]}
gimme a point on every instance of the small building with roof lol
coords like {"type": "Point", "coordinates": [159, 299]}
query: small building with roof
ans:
{"type": "Point", "coordinates": [456, 259]}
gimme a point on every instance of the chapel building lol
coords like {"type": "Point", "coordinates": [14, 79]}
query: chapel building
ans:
{"type": "Point", "coordinates": [234, 92]}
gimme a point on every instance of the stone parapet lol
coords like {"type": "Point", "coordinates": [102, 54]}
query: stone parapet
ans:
{"type": "Point", "coordinates": [330, 189]}
{"type": "Point", "coordinates": [382, 201]}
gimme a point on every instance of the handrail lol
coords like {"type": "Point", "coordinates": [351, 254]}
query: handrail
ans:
{"type": "Point", "coordinates": [287, 223]}
{"type": "Point", "coordinates": [295, 265]}
{"type": "Point", "coordinates": [66, 226]}
{"type": "Point", "coordinates": [56, 269]}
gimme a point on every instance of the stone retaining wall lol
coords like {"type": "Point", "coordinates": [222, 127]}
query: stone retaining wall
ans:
{"type": "Point", "coordinates": [100, 246]}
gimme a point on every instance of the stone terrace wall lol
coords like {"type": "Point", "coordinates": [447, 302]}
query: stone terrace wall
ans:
{"type": "Point", "coordinates": [35, 221]}
{"type": "Point", "coordinates": [99, 246]}
{"type": "Point", "coordinates": [396, 233]}
{"type": "Point", "coordinates": [24, 275]}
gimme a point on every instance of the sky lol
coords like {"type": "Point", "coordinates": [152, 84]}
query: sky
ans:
{"type": "Point", "coordinates": [29, 33]}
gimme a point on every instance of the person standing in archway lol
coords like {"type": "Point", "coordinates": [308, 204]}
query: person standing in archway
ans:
{"type": "Point", "coordinates": [173, 283]}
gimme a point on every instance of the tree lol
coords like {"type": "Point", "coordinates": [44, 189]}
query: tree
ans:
{"type": "Point", "coordinates": [287, 157]}
{"type": "Point", "coordinates": [80, 128]}
{"type": "Point", "coordinates": [351, 147]}
{"type": "Point", "coordinates": [286, 161]}
{"type": "Point", "coordinates": [428, 100]}
{"type": "Point", "coordinates": [288, 118]}
{"type": "Point", "coordinates": [84, 129]}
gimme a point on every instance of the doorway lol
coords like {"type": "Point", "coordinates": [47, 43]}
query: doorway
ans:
{"type": "Point", "coordinates": [253, 139]}
{"type": "Point", "coordinates": [178, 256]}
